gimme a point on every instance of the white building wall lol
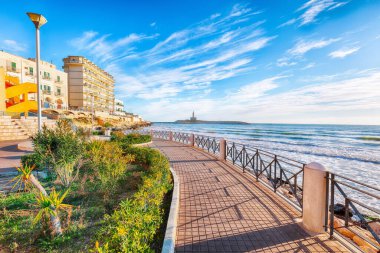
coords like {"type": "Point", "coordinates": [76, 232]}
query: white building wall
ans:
{"type": "Point", "coordinates": [54, 80]}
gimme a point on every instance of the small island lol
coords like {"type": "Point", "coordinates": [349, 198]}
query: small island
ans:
{"type": "Point", "coordinates": [194, 120]}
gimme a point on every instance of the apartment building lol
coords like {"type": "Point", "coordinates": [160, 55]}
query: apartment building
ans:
{"type": "Point", "coordinates": [19, 76]}
{"type": "Point", "coordinates": [90, 87]}
{"type": "Point", "coordinates": [119, 107]}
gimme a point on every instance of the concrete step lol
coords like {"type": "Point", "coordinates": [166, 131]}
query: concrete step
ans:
{"type": "Point", "coordinates": [14, 138]}
{"type": "Point", "coordinates": [12, 135]}
{"type": "Point", "coordinates": [6, 122]}
{"type": "Point", "coordinates": [9, 126]}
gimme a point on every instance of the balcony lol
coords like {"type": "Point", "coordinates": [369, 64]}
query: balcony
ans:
{"type": "Point", "coordinates": [58, 81]}
{"type": "Point", "coordinates": [46, 92]}
{"type": "Point", "coordinates": [14, 70]}
{"type": "Point", "coordinates": [58, 94]}
{"type": "Point", "coordinates": [29, 74]}
{"type": "Point", "coordinates": [46, 78]}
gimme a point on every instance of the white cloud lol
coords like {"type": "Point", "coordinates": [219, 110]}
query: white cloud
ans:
{"type": "Point", "coordinates": [342, 53]}
{"type": "Point", "coordinates": [296, 54]}
{"type": "Point", "coordinates": [239, 10]}
{"type": "Point", "coordinates": [13, 46]}
{"type": "Point", "coordinates": [303, 46]}
{"type": "Point", "coordinates": [326, 102]}
{"type": "Point", "coordinates": [185, 63]}
{"type": "Point", "coordinates": [102, 49]}
{"type": "Point", "coordinates": [286, 62]}
{"type": "Point", "coordinates": [153, 24]}
{"type": "Point", "coordinates": [256, 89]}
{"type": "Point", "coordinates": [290, 22]}
{"type": "Point", "coordinates": [313, 8]}
{"type": "Point", "coordinates": [309, 66]}
{"type": "Point", "coordinates": [214, 16]}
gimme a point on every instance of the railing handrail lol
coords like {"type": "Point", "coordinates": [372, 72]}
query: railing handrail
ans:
{"type": "Point", "coordinates": [268, 152]}
{"type": "Point", "coordinates": [358, 182]}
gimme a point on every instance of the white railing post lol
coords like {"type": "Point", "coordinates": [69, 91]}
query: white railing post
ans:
{"type": "Point", "coordinates": [170, 136]}
{"type": "Point", "coordinates": [223, 154]}
{"type": "Point", "coordinates": [314, 197]}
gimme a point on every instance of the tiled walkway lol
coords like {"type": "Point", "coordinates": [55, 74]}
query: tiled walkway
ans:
{"type": "Point", "coordinates": [223, 210]}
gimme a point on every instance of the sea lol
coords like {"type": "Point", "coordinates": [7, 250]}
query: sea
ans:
{"type": "Point", "coordinates": [349, 150]}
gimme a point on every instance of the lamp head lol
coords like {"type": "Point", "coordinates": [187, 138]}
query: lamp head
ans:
{"type": "Point", "coordinates": [37, 19]}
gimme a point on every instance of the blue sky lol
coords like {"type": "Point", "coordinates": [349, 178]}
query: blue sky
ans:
{"type": "Point", "coordinates": [277, 61]}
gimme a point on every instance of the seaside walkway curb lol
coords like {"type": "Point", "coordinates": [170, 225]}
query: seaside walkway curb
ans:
{"type": "Point", "coordinates": [222, 209]}
{"type": "Point", "coordinates": [171, 227]}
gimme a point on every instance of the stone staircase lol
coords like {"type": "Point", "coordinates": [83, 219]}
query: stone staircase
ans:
{"type": "Point", "coordinates": [20, 129]}
{"type": "Point", "coordinates": [10, 131]}
{"type": "Point", "coordinates": [31, 124]}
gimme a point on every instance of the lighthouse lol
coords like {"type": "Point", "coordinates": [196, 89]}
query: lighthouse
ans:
{"type": "Point", "coordinates": [193, 118]}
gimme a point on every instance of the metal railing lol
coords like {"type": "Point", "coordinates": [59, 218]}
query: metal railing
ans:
{"type": "Point", "coordinates": [348, 208]}
{"type": "Point", "coordinates": [207, 143]}
{"type": "Point", "coordinates": [286, 176]}
{"type": "Point", "coordinates": [161, 134]}
{"type": "Point", "coordinates": [279, 173]}
{"type": "Point", "coordinates": [181, 137]}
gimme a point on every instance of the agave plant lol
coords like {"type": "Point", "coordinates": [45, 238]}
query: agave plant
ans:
{"type": "Point", "coordinates": [50, 206]}
{"type": "Point", "coordinates": [26, 177]}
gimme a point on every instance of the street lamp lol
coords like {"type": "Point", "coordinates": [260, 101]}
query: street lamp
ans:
{"type": "Point", "coordinates": [38, 21]}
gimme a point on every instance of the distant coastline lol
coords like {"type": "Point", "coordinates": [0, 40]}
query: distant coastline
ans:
{"type": "Point", "coordinates": [209, 122]}
{"type": "Point", "coordinates": [194, 120]}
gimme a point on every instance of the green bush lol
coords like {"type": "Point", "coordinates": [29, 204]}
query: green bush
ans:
{"type": "Point", "coordinates": [129, 139]}
{"type": "Point", "coordinates": [107, 125]}
{"type": "Point", "coordinates": [33, 159]}
{"type": "Point", "coordinates": [106, 161]}
{"type": "Point", "coordinates": [60, 148]}
{"type": "Point", "coordinates": [101, 132]}
{"type": "Point", "coordinates": [133, 226]}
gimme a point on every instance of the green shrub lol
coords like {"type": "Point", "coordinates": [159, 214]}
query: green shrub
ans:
{"type": "Point", "coordinates": [101, 132]}
{"type": "Point", "coordinates": [105, 160]}
{"type": "Point", "coordinates": [133, 226]}
{"type": "Point", "coordinates": [107, 125]}
{"type": "Point", "coordinates": [60, 148]}
{"type": "Point", "coordinates": [33, 159]}
{"type": "Point", "coordinates": [133, 138]}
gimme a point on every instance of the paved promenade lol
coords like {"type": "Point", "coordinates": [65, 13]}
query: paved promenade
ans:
{"type": "Point", "coordinates": [10, 156]}
{"type": "Point", "coordinates": [224, 210]}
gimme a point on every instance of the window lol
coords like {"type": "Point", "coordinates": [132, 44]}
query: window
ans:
{"type": "Point", "coordinates": [58, 78]}
{"type": "Point", "coordinates": [58, 91]}
{"type": "Point", "coordinates": [44, 87]}
{"type": "Point", "coordinates": [30, 70]}
{"type": "Point", "coordinates": [46, 75]}
{"type": "Point", "coordinates": [13, 64]}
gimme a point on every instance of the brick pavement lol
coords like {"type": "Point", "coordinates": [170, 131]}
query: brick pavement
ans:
{"type": "Point", "coordinates": [10, 156]}
{"type": "Point", "coordinates": [223, 210]}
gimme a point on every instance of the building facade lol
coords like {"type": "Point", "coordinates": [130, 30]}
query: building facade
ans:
{"type": "Point", "coordinates": [89, 87]}
{"type": "Point", "coordinates": [119, 107]}
{"type": "Point", "coordinates": [19, 78]}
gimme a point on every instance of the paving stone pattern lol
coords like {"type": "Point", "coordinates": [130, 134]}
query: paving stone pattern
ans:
{"type": "Point", "coordinates": [224, 210]}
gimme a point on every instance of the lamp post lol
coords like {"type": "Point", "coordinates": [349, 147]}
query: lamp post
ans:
{"type": "Point", "coordinates": [38, 21]}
